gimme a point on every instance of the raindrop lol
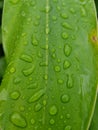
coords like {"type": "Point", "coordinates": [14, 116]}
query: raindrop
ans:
{"type": "Point", "coordinates": [37, 96]}
{"type": "Point", "coordinates": [60, 81]}
{"type": "Point", "coordinates": [65, 98]}
{"type": "Point", "coordinates": [26, 58]}
{"type": "Point", "coordinates": [66, 64]}
{"type": "Point", "coordinates": [64, 16]}
{"type": "Point", "coordinates": [22, 108]}
{"type": "Point", "coordinates": [68, 127]}
{"type": "Point", "coordinates": [14, 1]}
{"type": "Point", "coordinates": [57, 68]}
{"type": "Point", "coordinates": [45, 76]}
{"type": "Point", "coordinates": [34, 41]}
{"type": "Point", "coordinates": [67, 50]}
{"type": "Point", "coordinates": [69, 81]}
{"type": "Point", "coordinates": [12, 70]}
{"type": "Point", "coordinates": [29, 71]}
{"type": "Point", "coordinates": [32, 121]}
{"type": "Point", "coordinates": [18, 120]}
{"type": "Point", "coordinates": [68, 116]}
{"type": "Point", "coordinates": [43, 63]}
{"type": "Point", "coordinates": [52, 121]}
{"type": "Point", "coordinates": [15, 95]}
{"type": "Point", "coordinates": [64, 35]}
{"type": "Point", "coordinates": [38, 107]}
{"type": "Point", "coordinates": [66, 25]}
{"type": "Point", "coordinates": [53, 110]}
{"type": "Point", "coordinates": [54, 18]}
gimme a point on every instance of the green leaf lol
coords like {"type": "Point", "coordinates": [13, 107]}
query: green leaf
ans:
{"type": "Point", "coordinates": [51, 80]}
{"type": "Point", "coordinates": [94, 123]}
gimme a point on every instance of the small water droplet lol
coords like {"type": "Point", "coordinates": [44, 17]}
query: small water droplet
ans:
{"type": "Point", "coordinates": [53, 110]}
{"type": "Point", "coordinates": [12, 70]}
{"type": "Point", "coordinates": [32, 121]}
{"type": "Point", "coordinates": [44, 102]}
{"type": "Point", "coordinates": [53, 55]}
{"type": "Point", "coordinates": [18, 120]}
{"type": "Point", "coordinates": [64, 16]}
{"type": "Point", "coordinates": [14, 1]}
{"type": "Point", "coordinates": [29, 71]}
{"type": "Point", "coordinates": [57, 68]}
{"type": "Point", "coordinates": [54, 18]}
{"type": "Point", "coordinates": [15, 95]}
{"type": "Point", "coordinates": [67, 50]}
{"type": "Point", "coordinates": [72, 10]}
{"type": "Point", "coordinates": [26, 58]}
{"type": "Point", "coordinates": [45, 76]}
{"type": "Point", "coordinates": [68, 127]}
{"type": "Point", "coordinates": [43, 63]}
{"type": "Point", "coordinates": [60, 81]}
{"type": "Point", "coordinates": [58, 8]}
{"type": "Point", "coordinates": [23, 14]}
{"type": "Point", "coordinates": [47, 31]}
{"type": "Point", "coordinates": [52, 121]}
{"type": "Point", "coordinates": [65, 35]}
{"type": "Point", "coordinates": [69, 81]}
{"type": "Point", "coordinates": [34, 41]}
{"type": "Point", "coordinates": [38, 107]}
{"type": "Point", "coordinates": [61, 117]}
{"type": "Point", "coordinates": [37, 96]}
{"type": "Point", "coordinates": [40, 55]}
{"type": "Point", "coordinates": [66, 25]}
{"type": "Point", "coordinates": [65, 98]}
{"type": "Point", "coordinates": [17, 80]}
{"type": "Point", "coordinates": [66, 64]}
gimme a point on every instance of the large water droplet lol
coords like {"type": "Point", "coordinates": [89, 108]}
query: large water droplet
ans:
{"type": "Point", "coordinates": [37, 96]}
{"type": "Point", "coordinates": [15, 95]}
{"type": "Point", "coordinates": [38, 107]}
{"type": "Point", "coordinates": [66, 25]}
{"type": "Point", "coordinates": [18, 120]}
{"type": "Point", "coordinates": [29, 71]}
{"type": "Point", "coordinates": [53, 110]}
{"type": "Point", "coordinates": [14, 1]}
{"type": "Point", "coordinates": [57, 68]}
{"type": "Point", "coordinates": [67, 50]}
{"type": "Point", "coordinates": [69, 81]}
{"type": "Point", "coordinates": [65, 35]}
{"type": "Point", "coordinates": [34, 41]}
{"type": "Point", "coordinates": [65, 98]}
{"type": "Point", "coordinates": [68, 127]}
{"type": "Point", "coordinates": [12, 70]}
{"type": "Point", "coordinates": [64, 16]}
{"type": "Point", "coordinates": [66, 64]}
{"type": "Point", "coordinates": [60, 81]}
{"type": "Point", "coordinates": [52, 121]}
{"type": "Point", "coordinates": [26, 58]}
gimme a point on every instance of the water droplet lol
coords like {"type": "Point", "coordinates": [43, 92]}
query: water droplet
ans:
{"type": "Point", "coordinates": [60, 81]}
{"type": "Point", "coordinates": [66, 25]}
{"type": "Point", "coordinates": [65, 98]}
{"type": "Point", "coordinates": [38, 107]}
{"type": "Point", "coordinates": [34, 41]}
{"type": "Point", "coordinates": [83, 12]}
{"type": "Point", "coordinates": [43, 63]}
{"type": "Point", "coordinates": [69, 81]}
{"type": "Point", "coordinates": [68, 116]}
{"type": "Point", "coordinates": [52, 121]}
{"type": "Point", "coordinates": [12, 70]}
{"type": "Point", "coordinates": [67, 50]}
{"type": "Point", "coordinates": [29, 71]}
{"type": "Point", "coordinates": [37, 96]}
{"type": "Point", "coordinates": [17, 80]}
{"type": "Point", "coordinates": [44, 102]}
{"type": "Point", "coordinates": [61, 117]}
{"type": "Point", "coordinates": [53, 110]}
{"type": "Point", "coordinates": [45, 76]}
{"type": "Point", "coordinates": [14, 1]}
{"type": "Point", "coordinates": [66, 64]}
{"type": "Point", "coordinates": [32, 121]}
{"type": "Point", "coordinates": [18, 120]}
{"type": "Point", "coordinates": [64, 16]}
{"type": "Point", "coordinates": [53, 55]}
{"type": "Point", "coordinates": [58, 8]}
{"type": "Point", "coordinates": [15, 95]}
{"type": "Point", "coordinates": [32, 85]}
{"type": "Point", "coordinates": [57, 68]}
{"type": "Point", "coordinates": [26, 58]}
{"type": "Point", "coordinates": [40, 55]}
{"type": "Point", "coordinates": [64, 35]}
{"type": "Point", "coordinates": [68, 127]}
